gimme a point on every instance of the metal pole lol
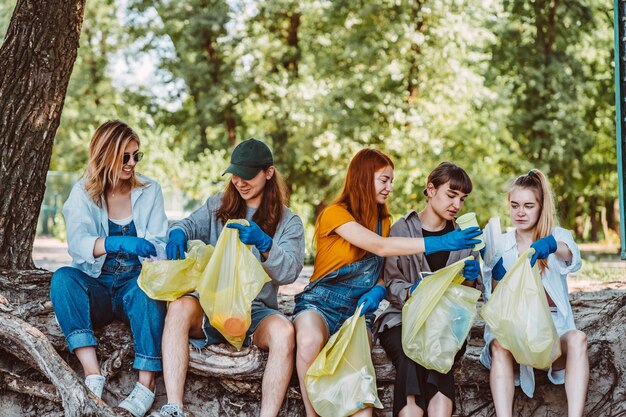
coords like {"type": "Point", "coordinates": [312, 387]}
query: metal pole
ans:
{"type": "Point", "coordinates": [619, 19]}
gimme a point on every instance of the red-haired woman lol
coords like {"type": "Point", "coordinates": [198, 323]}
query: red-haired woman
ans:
{"type": "Point", "coordinates": [351, 237]}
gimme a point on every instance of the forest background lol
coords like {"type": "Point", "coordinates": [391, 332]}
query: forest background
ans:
{"type": "Point", "coordinates": [495, 86]}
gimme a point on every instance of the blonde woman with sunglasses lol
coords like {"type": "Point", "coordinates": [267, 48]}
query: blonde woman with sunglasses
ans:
{"type": "Point", "coordinates": [113, 215]}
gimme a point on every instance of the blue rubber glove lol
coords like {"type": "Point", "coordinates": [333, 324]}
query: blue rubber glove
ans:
{"type": "Point", "coordinates": [543, 248]}
{"type": "Point", "coordinates": [253, 235]}
{"type": "Point", "coordinates": [371, 299]}
{"type": "Point", "coordinates": [455, 240]}
{"type": "Point", "coordinates": [498, 272]}
{"type": "Point", "coordinates": [176, 244]}
{"type": "Point", "coordinates": [414, 286]}
{"type": "Point", "coordinates": [129, 244]}
{"type": "Point", "coordinates": [471, 270]}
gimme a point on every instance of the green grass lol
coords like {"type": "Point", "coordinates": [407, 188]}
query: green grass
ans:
{"type": "Point", "coordinates": [601, 267]}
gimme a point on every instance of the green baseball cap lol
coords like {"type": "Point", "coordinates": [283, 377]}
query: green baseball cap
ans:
{"type": "Point", "coordinates": [249, 158]}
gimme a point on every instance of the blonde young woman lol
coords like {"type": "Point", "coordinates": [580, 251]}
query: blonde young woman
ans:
{"type": "Point", "coordinates": [533, 217]}
{"type": "Point", "coordinates": [112, 215]}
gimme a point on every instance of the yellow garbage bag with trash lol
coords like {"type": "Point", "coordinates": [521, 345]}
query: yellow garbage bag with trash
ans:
{"type": "Point", "coordinates": [519, 316]}
{"type": "Point", "coordinates": [438, 317]}
{"type": "Point", "coordinates": [230, 282]}
{"type": "Point", "coordinates": [342, 380]}
{"type": "Point", "coordinates": [168, 280]}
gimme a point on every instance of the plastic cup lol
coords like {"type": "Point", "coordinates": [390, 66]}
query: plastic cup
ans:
{"type": "Point", "coordinates": [469, 220]}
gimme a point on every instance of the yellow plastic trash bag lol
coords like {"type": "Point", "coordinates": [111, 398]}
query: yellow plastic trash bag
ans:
{"type": "Point", "coordinates": [519, 317]}
{"type": "Point", "coordinates": [438, 317]}
{"type": "Point", "coordinates": [342, 380]}
{"type": "Point", "coordinates": [169, 280]}
{"type": "Point", "coordinates": [231, 280]}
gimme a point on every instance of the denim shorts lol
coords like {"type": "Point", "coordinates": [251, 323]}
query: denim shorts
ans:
{"type": "Point", "coordinates": [212, 336]}
{"type": "Point", "coordinates": [335, 296]}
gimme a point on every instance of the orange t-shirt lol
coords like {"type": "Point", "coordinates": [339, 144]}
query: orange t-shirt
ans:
{"type": "Point", "coordinates": [333, 251]}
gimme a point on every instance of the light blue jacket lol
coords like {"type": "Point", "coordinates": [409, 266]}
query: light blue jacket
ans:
{"type": "Point", "coordinates": [85, 222]}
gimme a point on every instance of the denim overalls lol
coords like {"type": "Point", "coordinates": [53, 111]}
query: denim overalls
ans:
{"type": "Point", "coordinates": [335, 295]}
{"type": "Point", "coordinates": [82, 303]}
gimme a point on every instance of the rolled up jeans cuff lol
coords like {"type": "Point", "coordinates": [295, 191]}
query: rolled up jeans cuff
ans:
{"type": "Point", "coordinates": [147, 363]}
{"type": "Point", "coordinates": [81, 338]}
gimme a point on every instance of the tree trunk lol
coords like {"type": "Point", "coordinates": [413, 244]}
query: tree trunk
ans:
{"type": "Point", "coordinates": [593, 216]}
{"type": "Point", "coordinates": [579, 220]}
{"type": "Point", "coordinates": [36, 61]}
{"type": "Point", "coordinates": [612, 213]}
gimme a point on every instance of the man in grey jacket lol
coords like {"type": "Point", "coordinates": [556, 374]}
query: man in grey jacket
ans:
{"type": "Point", "coordinates": [255, 192]}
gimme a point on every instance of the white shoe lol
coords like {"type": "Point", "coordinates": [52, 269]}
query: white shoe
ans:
{"type": "Point", "coordinates": [95, 383]}
{"type": "Point", "coordinates": [170, 410]}
{"type": "Point", "coordinates": [138, 401]}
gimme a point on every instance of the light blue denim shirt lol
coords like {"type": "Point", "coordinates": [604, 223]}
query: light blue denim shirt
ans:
{"type": "Point", "coordinates": [85, 222]}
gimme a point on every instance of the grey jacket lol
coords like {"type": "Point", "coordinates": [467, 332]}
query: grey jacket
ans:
{"type": "Point", "coordinates": [285, 259]}
{"type": "Point", "coordinates": [401, 272]}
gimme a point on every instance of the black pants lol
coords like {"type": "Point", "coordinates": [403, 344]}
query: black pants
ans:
{"type": "Point", "coordinates": [412, 378]}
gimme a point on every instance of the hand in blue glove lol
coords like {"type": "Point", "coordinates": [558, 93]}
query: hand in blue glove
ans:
{"type": "Point", "coordinates": [414, 286]}
{"type": "Point", "coordinates": [129, 244]}
{"type": "Point", "coordinates": [471, 270]}
{"type": "Point", "coordinates": [176, 244]}
{"type": "Point", "coordinates": [543, 248]}
{"type": "Point", "coordinates": [253, 235]}
{"type": "Point", "coordinates": [498, 272]}
{"type": "Point", "coordinates": [371, 299]}
{"type": "Point", "coordinates": [455, 240]}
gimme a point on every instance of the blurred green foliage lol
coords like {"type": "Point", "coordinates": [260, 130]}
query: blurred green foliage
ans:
{"type": "Point", "coordinates": [495, 86]}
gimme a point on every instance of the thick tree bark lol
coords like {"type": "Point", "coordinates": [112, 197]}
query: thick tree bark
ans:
{"type": "Point", "coordinates": [36, 62]}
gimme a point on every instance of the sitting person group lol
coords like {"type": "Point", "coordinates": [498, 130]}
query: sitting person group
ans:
{"type": "Point", "coordinates": [115, 217]}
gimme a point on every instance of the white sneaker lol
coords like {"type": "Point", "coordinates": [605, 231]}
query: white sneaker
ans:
{"type": "Point", "coordinates": [170, 410]}
{"type": "Point", "coordinates": [95, 383]}
{"type": "Point", "coordinates": [138, 401]}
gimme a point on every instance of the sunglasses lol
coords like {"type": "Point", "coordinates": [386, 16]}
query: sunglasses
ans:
{"type": "Point", "coordinates": [136, 156]}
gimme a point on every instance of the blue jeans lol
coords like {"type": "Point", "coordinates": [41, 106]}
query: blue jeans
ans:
{"type": "Point", "coordinates": [83, 303]}
{"type": "Point", "coordinates": [335, 295]}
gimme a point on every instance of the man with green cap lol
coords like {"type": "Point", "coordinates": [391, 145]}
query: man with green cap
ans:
{"type": "Point", "coordinates": [257, 193]}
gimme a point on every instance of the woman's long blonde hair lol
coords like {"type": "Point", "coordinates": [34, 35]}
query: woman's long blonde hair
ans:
{"type": "Point", "coordinates": [106, 152]}
{"type": "Point", "coordinates": [537, 182]}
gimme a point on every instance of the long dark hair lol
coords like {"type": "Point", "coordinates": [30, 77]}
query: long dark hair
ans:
{"type": "Point", "coordinates": [270, 211]}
